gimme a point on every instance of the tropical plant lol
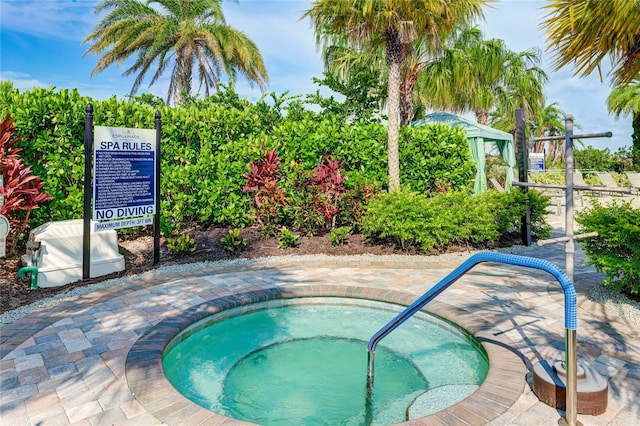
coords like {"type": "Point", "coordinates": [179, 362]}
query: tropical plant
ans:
{"type": "Point", "coordinates": [362, 91]}
{"type": "Point", "coordinates": [21, 191]}
{"type": "Point", "coordinates": [269, 197]}
{"type": "Point", "coordinates": [413, 220]}
{"type": "Point", "coordinates": [189, 33]}
{"type": "Point", "coordinates": [339, 235]}
{"type": "Point", "coordinates": [584, 32]}
{"type": "Point", "coordinates": [181, 244]}
{"type": "Point", "coordinates": [346, 62]}
{"type": "Point", "coordinates": [233, 241]}
{"type": "Point", "coordinates": [287, 238]}
{"type": "Point", "coordinates": [616, 250]}
{"type": "Point", "coordinates": [549, 121]}
{"type": "Point", "coordinates": [473, 74]}
{"type": "Point", "coordinates": [603, 160]}
{"type": "Point", "coordinates": [329, 180]}
{"type": "Point", "coordinates": [625, 100]}
{"type": "Point", "coordinates": [392, 25]}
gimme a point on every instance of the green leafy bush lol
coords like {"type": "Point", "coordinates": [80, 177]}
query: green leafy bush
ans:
{"type": "Point", "coordinates": [616, 250]}
{"type": "Point", "coordinates": [232, 241]}
{"type": "Point", "coordinates": [590, 178]}
{"type": "Point", "coordinates": [287, 238]}
{"type": "Point", "coordinates": [207, 146]}
{"type": "Point", "coordinates": [602, 160]}
{"type": "Point", "coordinates": [181, 244]}
{"type": "Point", "coordinates": [548, 178]}
{"type": "Point", "coordinates": [436, 158]}
{"type": "Point", "coordinates": [411, 219]}
{"type": "Point", "coordinates": [339, 235]}
{"type": "Point", "coordinates": [513, 206]}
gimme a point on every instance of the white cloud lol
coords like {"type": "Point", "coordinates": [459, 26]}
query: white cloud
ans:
{"type": "Point", "coordinates": [56, 19]}
{"type": "Point", "coordinates": [21, 80]}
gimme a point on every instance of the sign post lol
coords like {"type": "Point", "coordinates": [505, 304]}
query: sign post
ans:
{"type": "Point", "coordinates": [126, 181]}
{"type": "Point", "coordinates": [156, 225]}
{"type": "Point", "coordinates": [86, 233]}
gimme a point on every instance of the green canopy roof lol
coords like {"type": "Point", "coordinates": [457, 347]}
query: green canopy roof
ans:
{"type": "Point", "coordinates": [473, 129]}
{"type": "Point", "coordinates": [478, 134]}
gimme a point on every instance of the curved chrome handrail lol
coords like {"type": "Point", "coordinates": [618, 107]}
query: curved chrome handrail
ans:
{"type": "Point", "coordinates": [570, 310]}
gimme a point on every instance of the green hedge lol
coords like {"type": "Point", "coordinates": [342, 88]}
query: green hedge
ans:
{"type": "Point", "coordinates": [208, 145]}
{"type": "Point", "coordinates": [411, 219]}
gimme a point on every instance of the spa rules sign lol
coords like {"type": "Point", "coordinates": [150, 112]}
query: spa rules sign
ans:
{"type": "Point", "coordinates": [124, 177]}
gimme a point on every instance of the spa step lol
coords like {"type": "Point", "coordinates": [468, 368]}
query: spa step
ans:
{"type": "Point", "coordinates": [437, 399]}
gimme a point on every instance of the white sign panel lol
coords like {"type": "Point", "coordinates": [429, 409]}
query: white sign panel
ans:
{"type": "Point", "coordinates": [124, 176]}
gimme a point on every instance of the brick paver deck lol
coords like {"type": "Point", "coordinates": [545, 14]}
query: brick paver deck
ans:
{"type": "Point", "coordinates": [72, 363]}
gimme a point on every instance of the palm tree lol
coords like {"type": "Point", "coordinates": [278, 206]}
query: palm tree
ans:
{"type": "Point", "coordinates": [550, 121]}
{"type": "Point", "coordinates": [343, 61]}
{"type": "Point", "coordinates": [479, 75]}
{"type": "Point", "coordinates": [181, 34]}
{"type": "Point", "coordinates": [392, 25]}
{"type": "Point", "coordinates": [626, 100]}
{"type": "Point", "coordinates": [584, 32]}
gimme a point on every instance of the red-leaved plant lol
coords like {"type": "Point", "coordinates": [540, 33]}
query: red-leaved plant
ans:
{"type": "Point", "coordinates": [268, 196]}
{"type": "Point", "coordinates": [22, 191]}
{"type": "Point", "coordinates": [328, 177]}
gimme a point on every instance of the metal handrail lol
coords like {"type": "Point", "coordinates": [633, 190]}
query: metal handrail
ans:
{"type": "Point", "coordinates": [570, 312]}
{"type": "Point", "coordinates": [578, 187]}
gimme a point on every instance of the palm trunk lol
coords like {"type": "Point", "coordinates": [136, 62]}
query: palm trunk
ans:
{"type": "Point", "coordinates": [406, 97]}
{"type": "Point", "coordinates": [394, 58]}
{"type": "Point", "coordinates": [482, 116]}
{"type": "Point", "coordinates": [183, 80]}
{"type": "Point", "coordinates": [635, 142]}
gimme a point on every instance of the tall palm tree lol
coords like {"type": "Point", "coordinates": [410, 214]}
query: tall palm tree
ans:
{"type": "Point", "coordinates": [181, 34]}
{"type": "Point", "coordinates": [392, 25]}
{"type": "Point", "coordinates": [479, 75]}
{"type": "Point", "coordinates": [584, 32]}
{"type": "Point", "coordinates": [342, 61]}
{"type": "Point", "coordinates": [550, 121]}
{"type": "Point", "coordinates": [626, 100]}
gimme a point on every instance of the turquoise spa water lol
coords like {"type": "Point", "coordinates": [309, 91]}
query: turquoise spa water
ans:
{"type": "Point", "coordinates": [307, 365]}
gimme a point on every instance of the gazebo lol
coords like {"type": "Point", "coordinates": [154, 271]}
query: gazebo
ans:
{"type": "Point", "coordinates": [478, 134]}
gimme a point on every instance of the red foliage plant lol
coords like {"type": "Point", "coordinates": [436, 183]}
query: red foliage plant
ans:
{"type": "Point", "coordinates": [22, 191]}
{"type": "Point", "coordinates": [268, 195]}
{"type": "Point", "coordinates": [329, 178]}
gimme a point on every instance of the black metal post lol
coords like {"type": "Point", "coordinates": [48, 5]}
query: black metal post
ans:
{"type": "Point", "coordinates": [88, 158]}
{"type": "Point", "coordinates": [523, 173]}
{"type": "Point", "coordinates": [521, 144]}
{"type": "Point", "coordinates": [156, 220]}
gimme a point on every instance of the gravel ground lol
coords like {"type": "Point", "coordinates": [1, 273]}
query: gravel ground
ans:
{"type": "Point", "coordinates": [624, 307]}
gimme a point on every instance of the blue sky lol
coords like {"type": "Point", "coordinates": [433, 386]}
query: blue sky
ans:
{"type": "Point", "coordinates": [41, 45]}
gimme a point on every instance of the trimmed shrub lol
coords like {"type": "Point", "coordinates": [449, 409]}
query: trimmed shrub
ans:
{"type": "Point", "coordinates": [410, 219]}
{"type": "Point", "coordinates": [616, 250]}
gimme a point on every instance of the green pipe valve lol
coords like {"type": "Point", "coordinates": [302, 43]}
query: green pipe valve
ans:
{"type": "Point", "coordinates": [34, 275]}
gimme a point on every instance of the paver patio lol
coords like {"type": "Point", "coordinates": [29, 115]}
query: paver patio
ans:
{"type": "Point", "coordinates": [67, 364]}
